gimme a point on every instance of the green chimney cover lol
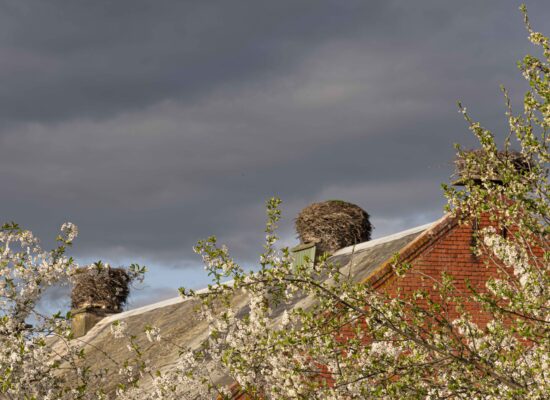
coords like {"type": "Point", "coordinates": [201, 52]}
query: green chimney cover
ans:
{"type": "Point", "coordinates": [303, 254]}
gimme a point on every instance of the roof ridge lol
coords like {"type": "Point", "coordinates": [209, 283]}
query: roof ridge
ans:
{"type": "Point", "coordinates": [179, 299]}
{"type": "Point", "coordinates": [152, 306]}
{"type": "Point", "coordinates": [384, 239]}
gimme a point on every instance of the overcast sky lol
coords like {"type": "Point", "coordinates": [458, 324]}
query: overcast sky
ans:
{"type": "Point", "coordinates": [152, 124]}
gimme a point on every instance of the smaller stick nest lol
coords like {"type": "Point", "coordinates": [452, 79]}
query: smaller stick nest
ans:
{"type": "Point", "coordinates": [100, 287]}
{"type": "Point", "coordinates": [483, 165]}
{"type": "Point", "coordinates": [332, 225]}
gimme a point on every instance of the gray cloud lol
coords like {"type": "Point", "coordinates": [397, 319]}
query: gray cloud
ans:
{"type": "Point", "coordinates": [154, 124]}
{"type": "Point", "coordinates": [73, 58]}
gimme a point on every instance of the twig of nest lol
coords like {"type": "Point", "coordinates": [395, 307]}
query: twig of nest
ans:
{"type": "Point", "coordinates": [332, 225]}
{"type": "Point", "coordinates": [100, 287]}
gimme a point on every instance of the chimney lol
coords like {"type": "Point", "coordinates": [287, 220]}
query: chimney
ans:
{"type": "Point", "coordinates": [329, 226]}
{"type": "Point", "coordinates": [98, 291]}
{"type": "Point", "coordinates": [85, 319]}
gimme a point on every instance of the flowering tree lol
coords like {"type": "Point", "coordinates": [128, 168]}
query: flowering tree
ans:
{"type": "Point", "coordinates": [422, 346]}
{"type": "Point", "coordinates": [27, 366]}
{"type": "Point", "coordinates": [31, 365]}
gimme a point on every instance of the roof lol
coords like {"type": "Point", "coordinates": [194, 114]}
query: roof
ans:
{"type": "Point", "coordinates": [176, 318]}
{"type": "Point", "coordinates": [362, 259]}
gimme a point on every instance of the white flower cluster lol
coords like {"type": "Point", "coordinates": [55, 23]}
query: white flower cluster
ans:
{"type": "Point", "coordinates": [118, 329]}
{"type": "Point", "coordinates": [153, 334]}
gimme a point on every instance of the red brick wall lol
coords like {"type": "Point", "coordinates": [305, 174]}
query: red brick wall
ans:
{"type": "Point", "coordinates": [450, 253]}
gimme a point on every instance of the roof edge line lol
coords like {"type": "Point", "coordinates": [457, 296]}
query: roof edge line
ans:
{"type": "Point", "coordinates": [344, 250]}
{"type": "Point", "coordinates": [383, 239]}
{"type": "Point", "coordinates": [149, 307]}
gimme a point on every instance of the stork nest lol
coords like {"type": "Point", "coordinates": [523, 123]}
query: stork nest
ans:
{"type": "Point", "coordinates": [100, 287]}
{"type": "Point", "coordinates": [332, 225]}
{"type": "Point", "coordinates": [492, 168]}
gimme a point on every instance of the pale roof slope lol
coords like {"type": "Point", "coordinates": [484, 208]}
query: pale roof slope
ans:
{"type": "Point", "coordinates": [177, 318]}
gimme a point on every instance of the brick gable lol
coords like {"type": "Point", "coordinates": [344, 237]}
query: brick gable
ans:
{"type": "Point", "coordinates": [444, 248]}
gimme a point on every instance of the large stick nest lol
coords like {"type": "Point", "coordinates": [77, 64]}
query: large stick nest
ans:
{"type": "Point", "coordinates": [332, 225]}
{"type": "Point", "coordinates": [100, 287]}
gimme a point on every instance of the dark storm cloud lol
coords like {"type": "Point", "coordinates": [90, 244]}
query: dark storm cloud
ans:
{"type": "Point", "coordinates": [153, 124]}
{"type": "Point", "coordinates": [65, 59]}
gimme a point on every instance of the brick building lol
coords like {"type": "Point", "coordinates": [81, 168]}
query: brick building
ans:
{"type": "Point", "coordinates": [441, 246]}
